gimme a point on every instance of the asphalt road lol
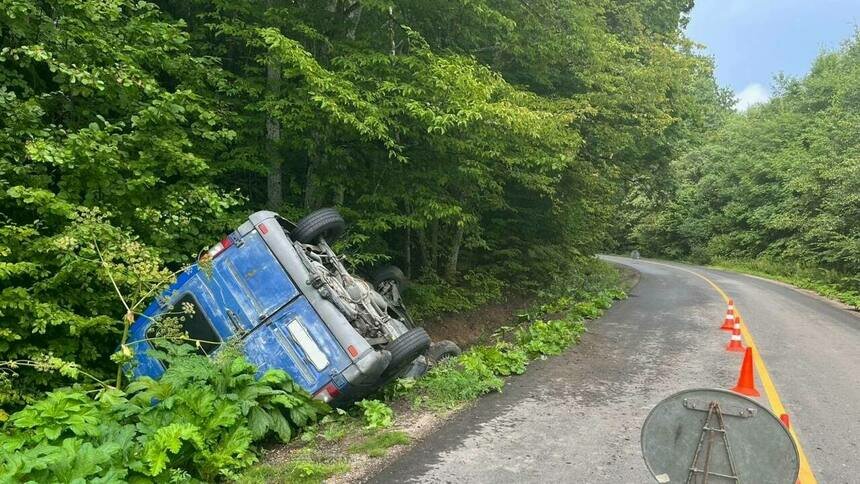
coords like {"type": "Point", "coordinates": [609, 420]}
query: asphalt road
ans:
{"type": "Point", "coordinates": [577, 417]}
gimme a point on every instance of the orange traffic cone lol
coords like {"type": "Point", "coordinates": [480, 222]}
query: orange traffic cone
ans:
{"type": "Point", "coordinates": [785, 420]}
{"type": "Point", "coordinates": [746, 380]}
{"type": "Point", "coordinates": [735, 343]}
{"type": "Point", "coordinates": [729, 322]}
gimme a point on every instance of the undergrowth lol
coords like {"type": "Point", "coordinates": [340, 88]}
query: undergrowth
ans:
{"type": "Point", "coordinates": [826, 283]}
{"type": "Point", "coordinates": [547, 329]}
{"type": "Point", "coordinates": [199, 421]}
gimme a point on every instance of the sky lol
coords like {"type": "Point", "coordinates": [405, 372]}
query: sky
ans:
{"type": "Point", "coordinates": [753, 40]}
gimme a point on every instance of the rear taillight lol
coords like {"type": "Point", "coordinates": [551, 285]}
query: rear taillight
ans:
{"type": "Point", "coordinates": [219, 247]}
{"type": "Point", "coordinates": [328, 393]}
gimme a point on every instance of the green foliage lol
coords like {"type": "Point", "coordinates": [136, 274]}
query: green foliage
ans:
{"type": "Point", "coordinates": [481, 157]}
{"type": "Point", "coordinates": [377, 415]}
{"type": "Point", "coordinates": [378, 444]}
{"type": "Point", "coordinates": [775, 187]}
{"type": "Point", "coordinates": [332, 427]}
{"type": "Point", "coordinates": [312, 472]}
{"type": "Point", "coordinates": [433, 296]}
{"type": "Point", "coordinates": [502, 358]}
{"type": "Point", "coordinates": [200, 420]}
{"type": "Point", "coordinates": [545, 338]}
{"type": "Point", "coordinates": [449, 384]}
{"type": "Point", "coordinates": [107, 139]}
{"type": "Point", "coordinates": [297, 471]}
{"type": "Point", "coordinates": [826, 283]}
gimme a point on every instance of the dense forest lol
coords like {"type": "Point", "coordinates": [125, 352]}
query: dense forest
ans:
{"type": "Point", "coordinates": [774, 190]}
{"type": "Point", "coordinates": [481, 145]}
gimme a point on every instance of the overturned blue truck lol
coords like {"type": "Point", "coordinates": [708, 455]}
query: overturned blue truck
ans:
{"type": "Point", "coordinates": [279, 292]}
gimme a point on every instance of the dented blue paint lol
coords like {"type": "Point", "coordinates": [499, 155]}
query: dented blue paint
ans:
{"type": "Point", "coordinates": [250, 296]}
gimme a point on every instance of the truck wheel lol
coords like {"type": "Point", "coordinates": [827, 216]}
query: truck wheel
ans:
{"type": "Point", "coordinates": [325, 222]}
{"type": "Point", "coordinates": [416, 369]}
{"type": "Point", "coordinates": [406, 348]}
{"type": "Point", "coordinates": [389, 273]}
{"type": "Point", "coordinates": [444, 349]}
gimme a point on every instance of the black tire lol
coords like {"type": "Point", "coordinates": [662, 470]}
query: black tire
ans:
{"type": "Point", "coordinates": [444, 349]}
{"type": "Point", "coordinates": [325, 222]}
{"type": "Point", "coordinates": [389, 273]}
{"type": "Point", "coordinates": [406, 348]}
{"type": "Point", "coordinates": [416, 369]}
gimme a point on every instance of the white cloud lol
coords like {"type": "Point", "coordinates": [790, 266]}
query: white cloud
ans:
{"type": "Point", "coordinates": [754, 93]}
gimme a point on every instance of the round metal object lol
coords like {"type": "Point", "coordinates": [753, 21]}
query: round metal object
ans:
{"type": "Point", "coordinates": [757, 447]}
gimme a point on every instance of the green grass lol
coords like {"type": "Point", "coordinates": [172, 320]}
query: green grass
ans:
{"type": "Point", "coordinates": [297, 471]}
{"type": "Point", "coordinates": [824, 283]}
{"type": "Point", "coordinates": [378, 444]}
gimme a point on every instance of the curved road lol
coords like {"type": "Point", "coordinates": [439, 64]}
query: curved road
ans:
{"type": "Point", "coordinates": [577, 417]}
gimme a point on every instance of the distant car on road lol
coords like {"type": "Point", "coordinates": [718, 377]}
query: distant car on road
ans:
{"type": "Point", "coordinates": [280, 292]}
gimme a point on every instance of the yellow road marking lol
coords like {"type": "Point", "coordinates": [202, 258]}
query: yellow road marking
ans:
{"type": "Point", "coordinates": [805, 476]}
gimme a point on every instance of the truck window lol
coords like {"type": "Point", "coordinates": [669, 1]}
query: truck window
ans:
{"type": "Point", "coordinates": [191, 319]}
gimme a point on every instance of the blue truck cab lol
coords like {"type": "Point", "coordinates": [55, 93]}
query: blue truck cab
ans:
{"type": "Point", "coordinates": [261, 290]}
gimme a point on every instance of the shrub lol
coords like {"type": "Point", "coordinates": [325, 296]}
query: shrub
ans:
{"type": "Point", "coordinates": [199, 420]}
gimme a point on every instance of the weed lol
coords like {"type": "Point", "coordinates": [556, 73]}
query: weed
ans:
{"type": "Point", "coordinates": [503, 359]}
{"type": "Point", "coordinates": [377, 445]}
{"type": "Point", "coordinates": [377, 415]}
{"type": "Point", "coordinates": [331, 428]}
{"type": "Point", "coordinates": [298, 471]}
{"type": "Point", "coordinates": [401, 387]}
{"type": "Point", "coordinates": [544, 338]}
{"type": "Point", "coordinates": [313, 472]}
{"type": "Point", "coordinates": [450, 383]}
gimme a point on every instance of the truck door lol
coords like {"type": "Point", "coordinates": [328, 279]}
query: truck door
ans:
{"type": "Point", "coordinates": [250, 282]}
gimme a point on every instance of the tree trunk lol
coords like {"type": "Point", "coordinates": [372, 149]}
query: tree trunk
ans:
{"type": "Point", "coordinates": [310, 189]}
{"type": "Point", "coordinates": [407, 254]}
{"type": "Point", "coordinates": [451, 267]}
{"type": "Point", "coordinates": [339, 195]}
{"type": "Point", "coordinates": [354, 17]}
{"type": "Point", "coordinates": [434, 245]}
{"type": "Point", "coordinates": [391, 31]}
{"type": "Point", "coordinates": [422, 250]}
{"type": "Point", "coordinates": [273, 138]}
{"type": "Point", "coordinates": [316, 162]}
